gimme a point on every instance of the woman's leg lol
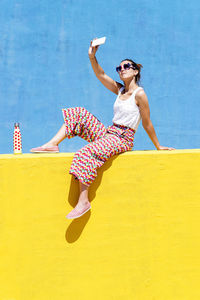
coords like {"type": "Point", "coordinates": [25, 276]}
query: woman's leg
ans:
{"type": "Point", "coordinates": [83, 204]}
{"type": "Point", "coordinates": [86, 162]}
{"type": "Point", "coordinates": [77, 122]}
{"type": "Point", "coordinates": [92, 156]}
{"type": "Point", "coordinates": [80, 122]}
{"type": "Point", "coordinates": [83, 197]}
{"type": "Point", "coordinates": [59, 137]}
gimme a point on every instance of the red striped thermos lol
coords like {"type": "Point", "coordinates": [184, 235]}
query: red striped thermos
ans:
{"type": "Point", "coordinates": [17, 140]}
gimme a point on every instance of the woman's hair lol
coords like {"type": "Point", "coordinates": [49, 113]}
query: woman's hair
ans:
{"type": "Point", "coordinates": [137, 67]}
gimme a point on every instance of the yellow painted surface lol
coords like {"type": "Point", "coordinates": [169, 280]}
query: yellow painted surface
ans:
{"type": "Point", "coordinates": [140, 241]}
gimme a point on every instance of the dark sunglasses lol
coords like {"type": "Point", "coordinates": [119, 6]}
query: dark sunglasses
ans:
{"type": "Point", "coordinates": [126, 67]}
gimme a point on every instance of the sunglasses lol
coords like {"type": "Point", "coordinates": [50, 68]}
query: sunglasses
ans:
{"type": "Point", "coordinates": [126, 67]}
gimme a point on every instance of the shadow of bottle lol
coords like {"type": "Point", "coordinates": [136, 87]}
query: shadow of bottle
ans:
{"type": "Point", "coordinates": [76, 227]}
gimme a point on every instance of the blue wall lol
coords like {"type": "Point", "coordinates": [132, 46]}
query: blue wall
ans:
{"type": "Point", "coordinates": [44, 65]}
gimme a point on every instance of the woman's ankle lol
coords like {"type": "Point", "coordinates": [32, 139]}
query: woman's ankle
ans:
{"type": "Point", "coordinates": [83, 201]}
{"type": "Point", "coordinates": [50, 144]}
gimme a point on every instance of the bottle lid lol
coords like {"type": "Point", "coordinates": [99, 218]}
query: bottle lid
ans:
{"type": "Point", "coordinates": [16, 124]}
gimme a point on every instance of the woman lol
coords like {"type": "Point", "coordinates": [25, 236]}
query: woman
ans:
{"type": "Point", "coordinates": [130, 107]}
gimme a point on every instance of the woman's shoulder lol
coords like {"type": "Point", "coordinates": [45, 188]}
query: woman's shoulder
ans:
{"type": "Point", "coordinates": [140, 91]}
{"type": "Point", "coordinates": [141, 96]}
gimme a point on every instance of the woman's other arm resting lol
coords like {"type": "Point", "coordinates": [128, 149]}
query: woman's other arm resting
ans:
{"type": "Point", "coordinates": [143, 104]}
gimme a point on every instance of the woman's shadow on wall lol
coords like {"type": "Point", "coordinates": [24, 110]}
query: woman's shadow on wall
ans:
{"type": "Point", "coordinates": [76, 227]}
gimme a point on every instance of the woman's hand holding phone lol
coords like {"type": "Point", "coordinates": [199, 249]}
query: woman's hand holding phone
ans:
{"type": "Point", "coordinates": [94, 45]}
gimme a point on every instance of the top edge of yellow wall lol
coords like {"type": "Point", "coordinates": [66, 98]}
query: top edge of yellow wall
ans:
{"type": "Point", "coordinates": [70, 154]}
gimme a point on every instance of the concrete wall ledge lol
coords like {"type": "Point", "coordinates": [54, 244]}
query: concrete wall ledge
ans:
{"type": "Point", "coordinates": [70, 154]}
{"type": "Point", "coordinates": [140, 240]}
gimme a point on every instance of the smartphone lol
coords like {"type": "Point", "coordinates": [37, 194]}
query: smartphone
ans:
{"type": "Point", "coordinates": [99, 41]}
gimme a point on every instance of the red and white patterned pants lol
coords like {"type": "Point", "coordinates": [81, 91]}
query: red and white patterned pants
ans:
{"type": "Point", "coordinates": [103, 142]}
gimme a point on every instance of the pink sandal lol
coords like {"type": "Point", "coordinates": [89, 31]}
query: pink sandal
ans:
{"type": "Point", "coordinates": [75, 213]}
{"type": "Point", "coordinates": [53, 149]}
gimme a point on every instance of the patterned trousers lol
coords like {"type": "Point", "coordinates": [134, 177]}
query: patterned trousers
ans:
{"type": "Point", "coordinates": [103, 142]}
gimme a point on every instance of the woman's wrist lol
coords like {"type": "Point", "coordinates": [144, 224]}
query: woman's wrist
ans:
{"type": "Point", "coordinates": [92, 57]}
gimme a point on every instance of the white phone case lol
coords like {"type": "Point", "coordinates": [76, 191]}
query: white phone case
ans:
{"type": "Point", "coordinates": [99, 41]}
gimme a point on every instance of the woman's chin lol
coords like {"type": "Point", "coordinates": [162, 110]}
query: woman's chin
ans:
{"type": "Point", "coordinates": [124, 78]}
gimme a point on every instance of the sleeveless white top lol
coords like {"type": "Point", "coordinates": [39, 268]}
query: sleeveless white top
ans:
{"type": "Point", "coordinates": [126, 112]}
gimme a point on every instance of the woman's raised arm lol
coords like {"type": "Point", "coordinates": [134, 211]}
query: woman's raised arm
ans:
{"type": "Point", "coordinates": [108, 82]}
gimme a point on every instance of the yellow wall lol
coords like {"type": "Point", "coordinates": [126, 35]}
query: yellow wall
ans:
{"type": "Point", "coordinates": [140, 241]}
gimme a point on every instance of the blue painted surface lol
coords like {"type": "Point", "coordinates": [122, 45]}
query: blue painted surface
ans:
{"type": "Point", "coordinates": [44, 66]}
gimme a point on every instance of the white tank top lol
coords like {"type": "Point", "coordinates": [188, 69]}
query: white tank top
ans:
{"type": "Point", "coordinates": [126, 112]}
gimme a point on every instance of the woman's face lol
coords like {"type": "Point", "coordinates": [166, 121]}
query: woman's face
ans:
{"type": "Point", "coordinates": [128, 73]}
